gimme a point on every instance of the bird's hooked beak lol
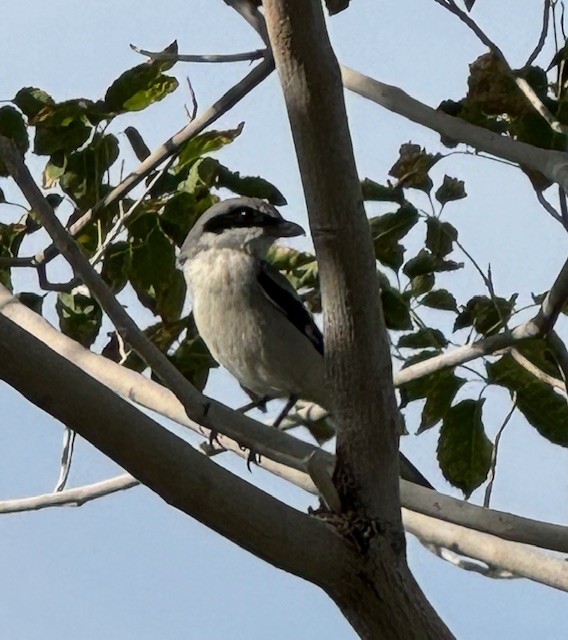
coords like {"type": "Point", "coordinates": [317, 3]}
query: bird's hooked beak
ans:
{"type": "Point", "coordinates": [285, 229]}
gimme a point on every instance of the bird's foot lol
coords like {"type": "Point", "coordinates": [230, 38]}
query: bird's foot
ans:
{"type": "Point", "coordinates": [252, 458]}
{"type": "Point", "coordinates": [285, 411]}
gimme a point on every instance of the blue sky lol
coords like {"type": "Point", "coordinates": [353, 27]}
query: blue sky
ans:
{"type": "Point", "coordinates": [129, 566]}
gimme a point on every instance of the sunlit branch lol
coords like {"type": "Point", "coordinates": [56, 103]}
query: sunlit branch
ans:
{"type": "Point", "coordinates": [552, 164]}
{"type": "Point", "coordinates": [539, 326]}
{"type": "Point", "coordinates": [75, 497]}
{"type": "Point", "coordinates": [151, 395]}
{"type": "Point", "coordinates": [451, 6]}
{"type": "Point", "coordinates": [203, 410]}
{"type": "Point", "coordinates": [543, 34]}
{"type": "Point", "coordinates": [170, 148]}
{"type": "Point", "coordinates": [224, 57]}
{"type": "Point", "coordinates": [493, 467]}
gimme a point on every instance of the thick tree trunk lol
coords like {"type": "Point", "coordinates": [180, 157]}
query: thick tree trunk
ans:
{"type": "Point", "coordinates": [379, 596]}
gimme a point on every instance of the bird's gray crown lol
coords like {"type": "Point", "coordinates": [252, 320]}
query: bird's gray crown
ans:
{"type": "Point", "coordinates": [233, 214]}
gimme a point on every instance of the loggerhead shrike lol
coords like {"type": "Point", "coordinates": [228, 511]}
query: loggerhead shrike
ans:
{"type": "Point", "coordinates": [248, 314]}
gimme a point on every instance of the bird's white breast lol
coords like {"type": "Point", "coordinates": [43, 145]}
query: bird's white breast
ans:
{"type": "Point", "coordinates": [245, 332]}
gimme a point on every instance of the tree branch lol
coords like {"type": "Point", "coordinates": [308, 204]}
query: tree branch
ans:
{"type": "Point", "coordinates": [166, 464]}
{"type": "Point", "coordinates": [543, 34]}
{"type": "Point", "coordinates": [451, 6]}
{"type": "Point", "coordinates": [170, 148]}
{"type": "Point", "coordinates": [70, 497]}
{"type": "Point", "coordinates": [146, 392]}
{"type": "Point", "coordinates": [552, 164]}
{"type": "Point", "coordinates": [539, 326]}
{"type": "Point", "coordinates": [213, 415]}
{"type": "Point", "coordinates": [511, 556]}
{"type": "Point", "coordinates": [357, 355]}
{"type": "Point", "coordinates": [220, 57]}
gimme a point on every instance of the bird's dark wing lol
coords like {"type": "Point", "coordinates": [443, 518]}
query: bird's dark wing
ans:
{"type": "Point", "coordinates": [283, 296]}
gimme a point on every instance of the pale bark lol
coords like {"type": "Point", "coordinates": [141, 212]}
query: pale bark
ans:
{"type": "Point", "coordinates": [379, 595]}
{"type": "Point", "coordinates": [169, 466]}
{"type": "Point", "coordinates": [277, 445]}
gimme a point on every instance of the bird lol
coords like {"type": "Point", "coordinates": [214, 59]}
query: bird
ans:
{"type": "Point", "coordinates": [248, 314]}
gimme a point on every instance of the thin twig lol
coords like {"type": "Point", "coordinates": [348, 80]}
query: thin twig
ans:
{"type": "Point", "coordinates": [6, 262]}
{"type": "Point", "coordinates": [538, 373]}
{"type": "Point", "coordinates": [207, 412]}
{"type": "Point", "coordinates": [538, 326]}
{"type": "Point", "coordinates": [170, 148]}
{"type": "Point", "coordinates": [549, 208]}
{"type": "Point", "coordinates": [70, 497]}
{"type": "Point", "coordinates": [224, 57]}
{"type": "Point", "coordinates": [563, 206]}
{"type": "Point", "coordinates": [66, 457]}
{"type": "Point", "coordinates": [252, 15]}
{"type": "Point", "coordinates": [543, 34]}
{"type": "Point", "coordinates": [560, 353]}
{"type": "Point", "coordinates": [452, 7]}
{"type": "Point", "coordinates": [46, 285]}
{"type": "Point", "coordinates": [537, 104]}
{"type": "Point", "coordinates": [117, 227]}
{"type": "Point", "coordinates": [493, 468]}
{"type": "Point", "coordinates": [194, 106]}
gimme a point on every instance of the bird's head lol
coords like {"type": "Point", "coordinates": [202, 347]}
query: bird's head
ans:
{"type": "Point", "coordinates": [245, 224]}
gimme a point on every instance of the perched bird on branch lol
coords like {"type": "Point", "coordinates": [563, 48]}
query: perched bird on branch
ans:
{"type": "Point", "coordinates": [248, 314]}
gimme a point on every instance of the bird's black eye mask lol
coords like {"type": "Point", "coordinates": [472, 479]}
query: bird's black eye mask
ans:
{"type": "Point", "coordinates": [242, 217]}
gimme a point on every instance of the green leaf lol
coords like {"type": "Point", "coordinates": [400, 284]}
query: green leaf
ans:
{"type": "Point", "coordinates": [83, 177]}
{"type": "Point", "coordinates": [412, 167]}
{"type": "Point", "coordinates": [380, 193]}
{"type": "Point", "coordinates": [387, 230]}
{"type": "Point", "coordinates": [420, 388]}
{"type": "Point", "coordinates": [138, 88]}
{"type": "Point", "coordinates": [543, 408]}
{"type": "Point", "coordinates": [250, 186]}
{"type": "Point", "coordinates": [31, 300]}
{"type": "Point", "coordinates": [425, 262]}
{"type": "Point", "coordinates": [439, 389]}
{"type": "Point", "coordinates": [485, 314]}
{"type": "Point", "coordinates": [423, 338]}
{"type": "Point", "coordinates": [451, 189]}
{"type": "Point", "coordinates": [464, 451]}
{"type": "Point", "coordinates": [11, 236]}
{"type": "Point", "coordinates": [80, 317]}
{"type": "Point", "coordinates": [422, 284]}
{"type": "Point", "coordinates": [182, 211]}
{"type": "Point", "coordinates": [140, 148]}
{"type": "Point", "coordinates": [165, 65]}
{"type": "Point", "coordinates": [322, 430]}
{"type": "Point", "coordinates": [440, 299]}
{"type": "Point", "coordinates": [205, 143]}
{"type": "Point", "coordinates": [440, 237]}
{"type": "Point", "coordinates": [193, 360]}
{"type": "Point", "coordinates": [441, 393]}
{"type": "Point", "coordinates": [117, 260]}
{"type": "Point", "coordinates": [288, 259]}
{"type": "Point", "coordinates": [31, 100]}
{"type": "Point", "coordinates": [301, 268]}
{"type": "Point", "coordinates": [153, 275]}
{"type": "Point", "coordinates": [54, 199]}
{"type": "Point", "coordinates": [13, 127]}
{"type": "Point", "coordinates": [65, 126]}
{"type": "Point", "coordinates": [395, 309]}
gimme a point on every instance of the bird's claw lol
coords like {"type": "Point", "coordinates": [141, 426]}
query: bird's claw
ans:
{"type": "Point", "coordinates": [214, 440]}
{"type": "Point", "coordinates": [252, 458]}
